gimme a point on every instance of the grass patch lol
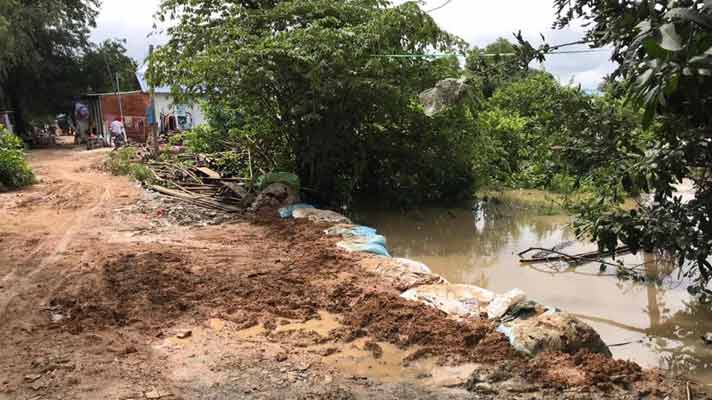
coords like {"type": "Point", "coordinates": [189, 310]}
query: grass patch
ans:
{"type": "Point", "coordinates": [124, 162]}
{"type": "Point", "coordinates": [535, 200]}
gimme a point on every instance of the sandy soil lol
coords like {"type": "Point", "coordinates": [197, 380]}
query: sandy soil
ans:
{"type": "Point", "coordinates": [103, 295]}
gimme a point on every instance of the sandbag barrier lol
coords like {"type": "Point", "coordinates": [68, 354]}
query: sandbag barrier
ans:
{"type": "Point", "coordinates": [530, 327]}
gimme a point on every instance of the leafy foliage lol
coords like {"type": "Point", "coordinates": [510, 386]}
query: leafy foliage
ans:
{"type": "Point", "coordinates": [99, 65]}
{"type": "Point", "coordinates": [14, 171]}
{"type": "Point", "coordinates": [39, 46]}
{"type": "Point", "coordinates": [123, 161]}
{"type": "Point", "coordinates": [664, 49]}
{"type": "Point", "coordinates": [312, 82]}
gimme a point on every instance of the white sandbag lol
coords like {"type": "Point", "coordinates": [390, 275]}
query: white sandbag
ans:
{"type": "Point", "coordinates": [453, 299]}
{"type": "Point", "coordinates": [501, 303]}
{"type": "Point", "coordinates": [398, 274]}
{"type": "Point", "coordinates": [304, 212]}
{"type": "Point", "coordinates": [319, 216]}
{"type": "Point", "coordinates": [414, 266]}
{"type": "Point", "coordinates": [552, 332]}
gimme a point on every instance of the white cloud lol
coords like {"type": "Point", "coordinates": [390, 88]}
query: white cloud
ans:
{"type": "Point", "coordinates": [131, 20]}
{"type": "Point", "coordinates": [477, 21]}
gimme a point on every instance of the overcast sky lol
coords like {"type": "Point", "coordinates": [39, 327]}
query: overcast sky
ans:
{"type": "Point", "coordinates": [477, 21]}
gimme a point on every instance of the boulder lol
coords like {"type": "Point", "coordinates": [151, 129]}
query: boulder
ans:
{"type": "Point", "coordinates": [275, 195]}
{"type": "Point", "coordinates": [399, 274]}
{"type": "Point", "coordinates": [453, 299]}
{"type": "Point", "coordinates": [552, 331]}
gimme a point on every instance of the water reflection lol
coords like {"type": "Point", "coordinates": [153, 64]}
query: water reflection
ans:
{"type": "Point", "coordinates": [658, 322]}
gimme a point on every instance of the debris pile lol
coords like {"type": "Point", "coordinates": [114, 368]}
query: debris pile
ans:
{"type": "Point", "coordinates": [201, 186]}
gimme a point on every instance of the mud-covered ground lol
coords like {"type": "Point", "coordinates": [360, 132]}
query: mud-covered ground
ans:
{"type": "Point", "coordinates": [109, 292]}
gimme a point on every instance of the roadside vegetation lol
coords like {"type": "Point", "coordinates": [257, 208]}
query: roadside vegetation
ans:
{"type": "Point", "coordinates": [124, 161]}
{"type": "Point", "coordinates": [330, 90]}
{"type": "Point", "coordinates": [14, 170]}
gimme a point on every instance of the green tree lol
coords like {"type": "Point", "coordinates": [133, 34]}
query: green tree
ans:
{"type": "Point", "coordinates": [315, 81]}
{"type": "Point", "coordinates": [100, 64]}
{"type": "Point", "coordinates": [39, 44]}
{"type": "Point", "coordinates": [664, 51]}
{"type": "Point", "coordinates": [495, 65]}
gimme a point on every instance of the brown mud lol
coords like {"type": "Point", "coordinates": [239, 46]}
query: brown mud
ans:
{"type": "Point", "coordinates": [102, 299]}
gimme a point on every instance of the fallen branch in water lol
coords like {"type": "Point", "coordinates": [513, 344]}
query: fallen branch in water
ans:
{"type": "Point", "coordinates": [594, 256]}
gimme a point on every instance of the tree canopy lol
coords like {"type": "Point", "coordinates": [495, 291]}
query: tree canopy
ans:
{"type": "Point", "coordinates": [664, 53]}
{"type": "Point", "coordinates": [39, 43]}
{"type": "Point", "coordinates": [317, 83]}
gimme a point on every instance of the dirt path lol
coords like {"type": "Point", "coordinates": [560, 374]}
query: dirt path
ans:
{"type": "Point", "coordinates": [103, 296]}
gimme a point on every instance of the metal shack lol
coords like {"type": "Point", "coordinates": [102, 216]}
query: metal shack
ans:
{"type": "Point", "coordinates": [172, 116]}
{"type": "Point", "coordinates": [104, 109]}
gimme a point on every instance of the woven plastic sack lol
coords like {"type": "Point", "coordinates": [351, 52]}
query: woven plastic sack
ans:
{"type": "Point", "coordinates": [286, 212]}
{"type": "Point", "coordinates": [444, 95]}
{"type": "Point", "coordinates": [356, 247]}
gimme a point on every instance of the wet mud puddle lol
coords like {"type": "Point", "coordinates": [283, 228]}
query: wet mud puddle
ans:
{"type": "Point", "coordinates": [218, 352]}
{"type": "Point", "coordinates": [654, 324]}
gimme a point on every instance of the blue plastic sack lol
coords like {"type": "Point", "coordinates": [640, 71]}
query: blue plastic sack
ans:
{"type": "Point", "coordinates": [286, 212]}
{"type": "Point", "coordinates": [363, 231]}
{"type": "Point", "coordinates": [373, 248]}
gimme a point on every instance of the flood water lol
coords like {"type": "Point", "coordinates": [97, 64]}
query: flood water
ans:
{"type": "Point", "coordinates": [654, 324]}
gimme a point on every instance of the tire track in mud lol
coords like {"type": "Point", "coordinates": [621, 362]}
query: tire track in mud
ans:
{"type": "Point", "coordinates": [18, 283]}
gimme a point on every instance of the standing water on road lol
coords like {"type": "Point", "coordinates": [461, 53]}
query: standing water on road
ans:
{"type": "Point", "coordinates": [654, 324]}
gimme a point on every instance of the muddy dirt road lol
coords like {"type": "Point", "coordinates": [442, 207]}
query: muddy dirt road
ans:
{"type": "Point", "coordinates": [104, 296]}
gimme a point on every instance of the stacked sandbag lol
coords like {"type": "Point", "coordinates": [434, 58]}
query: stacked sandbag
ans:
{"type": "Point", "coordinates": [359, 239]}
{"type": "Point", "coordinates": [401, 273]}
{"type": "Point", "coordinates": [320, 216]}
{"type": "Point", "coordinates": [464, 301]}
{"type": "Point", "coordinates": [552, 331]}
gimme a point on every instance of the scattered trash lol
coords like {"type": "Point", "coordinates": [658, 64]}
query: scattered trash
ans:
{"type": "Point", "coordinates": [184, 334]}
{"type": "Point", "coordinates": [501, 303]}
{"type": "Point", "coordinates": [445, 94]}
{"type": "Point", "coordinates": [707, 338]}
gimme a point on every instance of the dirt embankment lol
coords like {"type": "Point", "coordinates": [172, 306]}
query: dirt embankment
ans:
{"type": "Point", "coordinates": [101, 298]}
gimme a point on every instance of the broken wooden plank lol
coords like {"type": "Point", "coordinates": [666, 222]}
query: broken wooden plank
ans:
{"type": "Point", "coordinates": [208, 172]}
{"type": "Point", "coordinates": [171, 192]}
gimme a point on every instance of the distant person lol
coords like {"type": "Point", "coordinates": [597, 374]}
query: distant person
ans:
{"type": "Point", "coordinates": [81, 118]}
{"type": "Point", "coordinates": [117, 132]}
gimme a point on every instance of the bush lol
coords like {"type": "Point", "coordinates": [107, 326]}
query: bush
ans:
{"type": "Point", "coordinates": [14, 171]}
{"type": "Point", "coordinates": [123, 162]}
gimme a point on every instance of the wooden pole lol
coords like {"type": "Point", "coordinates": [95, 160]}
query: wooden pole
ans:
{"type": "Point", "coordinates": [121, 109]}
{"type": "Point", "coordinates": [152, 92]}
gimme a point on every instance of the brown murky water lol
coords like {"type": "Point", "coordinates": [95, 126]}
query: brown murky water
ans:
{"type": "Point", "coordinates": [656, 325]}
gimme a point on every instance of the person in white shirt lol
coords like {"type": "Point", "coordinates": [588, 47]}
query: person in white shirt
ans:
{"type": "Point", "coordinates": [117, 132]}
